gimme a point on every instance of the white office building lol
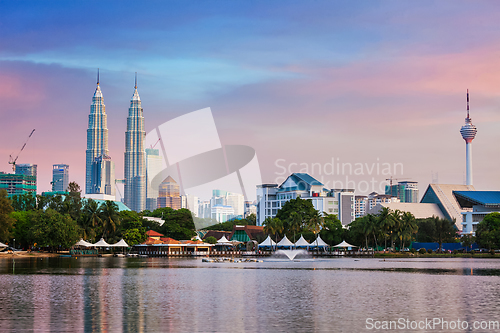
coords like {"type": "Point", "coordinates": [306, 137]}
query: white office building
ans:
{"type": "Point", "coordinates": [271, 197]}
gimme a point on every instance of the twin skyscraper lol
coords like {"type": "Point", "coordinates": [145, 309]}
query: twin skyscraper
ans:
{"type": "Point", "coordinates": [100, 170]}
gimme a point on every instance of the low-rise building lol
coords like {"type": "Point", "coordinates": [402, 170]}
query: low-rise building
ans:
{"type": "Point", "coordinates": [476, 205]}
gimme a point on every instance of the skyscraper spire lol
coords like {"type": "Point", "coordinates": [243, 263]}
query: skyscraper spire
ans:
{"type": "Point", "coordinates": [99, 177]}
{"type": "Point", "coordinates": [468, 132]}
{"type": "Point", "coordinates": [135, 168]}
{"type": "Point", "coordinates": [467, 103]}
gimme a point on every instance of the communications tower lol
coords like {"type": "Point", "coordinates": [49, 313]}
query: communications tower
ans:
{"type": "Point", "coordinates": [468, 132]}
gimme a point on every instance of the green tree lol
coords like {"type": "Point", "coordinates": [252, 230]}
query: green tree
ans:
{"type": "Point", "coordinates": [90, 220]}
{"type": "Point", "coordinates": [273, 226]}
{"type": "Point", "coordinates": [22, 228]}
{"type": "Point", "coordinates": [426, 230]}
{"type": "Point", "coordinates": [178, 224]}
{"type": "Point", "coordinates": [386, 223]}
{"type": "Point", "coordinates": [488, 231]}
{"type": "Point", "coordinates": [467, 241]}
{"type": "Point", "coordinates": [395, 231]}
{"type": "Point", "coordinates": [24, 202]}
{"type": "Point", "coordinates": [72, 204]}
{"type": "Point", "coordinates": [333, 231]}
{"type": "Point", "coordinates": [445, 231]}
{"type": "Point", "coordinates": [296, 214]}
{"type": "Point", "coordinates": [355, 234]}
{"type": "Point", "coordinates": [210, 240]}
{"type": "Point", "coordinates": [110, 219]}
{"type": "Point", "coordinates": [134, 236]}
{"type": "Point", "coordinates": [409, 228]}
{"type": "Point", "coordinates": [6, 221]}
{"type": "Point", "coordinates": [54, 230]}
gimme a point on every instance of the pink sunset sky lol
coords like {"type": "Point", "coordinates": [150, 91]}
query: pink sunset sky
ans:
{"type": "Point", "coordinates": [302, 82]}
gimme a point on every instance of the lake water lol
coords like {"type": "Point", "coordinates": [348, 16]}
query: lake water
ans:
{"type": "Point", "coordinates": [187, 295]}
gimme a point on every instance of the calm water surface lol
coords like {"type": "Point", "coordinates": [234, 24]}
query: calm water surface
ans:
{"type": "Point", "coordinates": [187, 295]}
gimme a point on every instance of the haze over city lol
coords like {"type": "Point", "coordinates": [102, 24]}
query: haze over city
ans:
{"type": "Point", "coordinates": [369, 82]}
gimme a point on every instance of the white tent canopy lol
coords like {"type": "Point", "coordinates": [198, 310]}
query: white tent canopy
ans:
{"type": "Point", "coordinates": [2, 245]}
{"type": "Point", "coordinates": [101, 243]}
{"type": "Point", "coordinates": [224, 241]}
{"type": "Point", "coordinates": [81, 242]}
{"type": "Point", "coordinates": [319, 242]}
{"type": "Point", "coordinates": [285, 242]}
{"type": "Point", "coordinates": [121, 243]}
{"type": "Point", "coordinates": [301, 242]}
{"type": "Point", "coordinates": [268, 242]}
{"type": "Point", "coordinates": [344, 244]}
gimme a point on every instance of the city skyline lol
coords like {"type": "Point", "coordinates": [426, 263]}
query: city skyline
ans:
{"type": "Point", "coordinates": [355, 82]}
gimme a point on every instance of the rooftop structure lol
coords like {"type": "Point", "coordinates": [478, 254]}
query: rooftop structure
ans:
{"type": "Point", "coordinates": [169, 194]}
{"type": "Point", "coordinates": [442, 195]}
{"type": "Point", "coordinates": [419, 210]}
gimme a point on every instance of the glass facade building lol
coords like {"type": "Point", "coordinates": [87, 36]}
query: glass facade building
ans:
{"type": "Point", "coordinates": [60, 177]}
{"type": "Point", "coordinates": [135, 161]}
{"type": "Point", "coordinates": [97, 146]}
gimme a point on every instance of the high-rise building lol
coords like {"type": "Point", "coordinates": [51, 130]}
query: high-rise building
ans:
{"type": "Point", "coordinates": [60, 177]}
{"type": "Point", "coordinates": [468, 132]}
{"type": "Point", "coordinates": [97, 146]}
{"type": "Point", "coordinates": [406, 191]}
{"type": "Point", "coordinates": [103, 176]}
{"type": "Point", "coordinates": [190, 202]}
{"type": "Point", "coordinates": [153, 167]}
{"type": "Point", "coordinates": [235, 200]}
{"type": "Point", "coordinates": [135, 163]}
{"type": "Point", "coordinates": [16, 184]}
{"type": "Point", "coordinates": [169, 194]}
{"type": "Point", "coordinates": [27, 169]}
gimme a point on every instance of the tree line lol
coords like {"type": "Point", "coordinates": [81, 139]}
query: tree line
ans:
{"type": "Point", "coordinates": [59, 221]}
{"type": "Point", "coordinates": [394, 228]}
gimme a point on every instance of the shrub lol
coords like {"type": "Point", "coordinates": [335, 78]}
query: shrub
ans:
{"type": "Point", "coordinates": [473, 252]}
{"type": "Point", "coordinates": [455, 251]}
{"type": "Point", "coordinates": [492, 252]}
{"type": "Point", "coordinates": [429, 251]}
{"type": "Point", "coordinates": [421, 251]}
{"type": "Point", "coordinates": [412, 250]}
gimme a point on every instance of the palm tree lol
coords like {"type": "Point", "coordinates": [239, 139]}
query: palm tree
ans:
{"type": "Point", "coordinates": [110, 218]}
{"type": "Point", "coordinates": [295, 223]}
{"type": "Point", "coordinates": [372, 227]}
{"type": "Point", "coordinates": [386, 222]}
{"type": "Point", "coordinates": [396, 230]}
{"type": "Point", "coordinates": [273, 226]}
{"type": "Point", "coordinates": [315, 225]}
{"type": "Point", "coordinates": [90, 219]}
{"type": "Point", "coordinates": [409, 227]}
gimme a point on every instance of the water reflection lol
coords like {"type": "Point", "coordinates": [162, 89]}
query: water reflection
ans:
{"type": "Point", "coordinates": [142, 295]}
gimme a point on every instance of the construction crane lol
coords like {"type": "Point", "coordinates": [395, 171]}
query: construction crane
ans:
{"type": "Point", "coordinates": [152, 146]}
{"type": "Point", "coordinates": [13, 160]}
